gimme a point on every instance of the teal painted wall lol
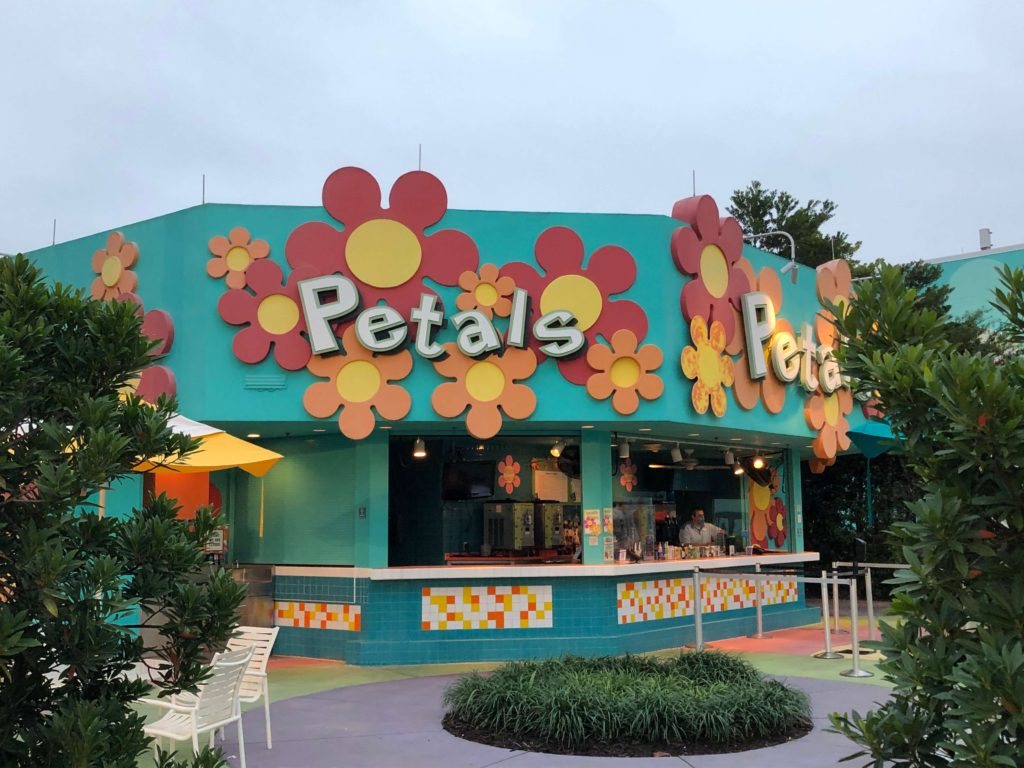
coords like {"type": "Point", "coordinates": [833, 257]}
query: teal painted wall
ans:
{"type": "Point", "coordinates": [975, 277]}
{"type": "Point", "coordinates": [214, 386]}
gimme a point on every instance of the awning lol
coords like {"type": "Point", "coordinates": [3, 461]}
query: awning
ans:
{"type": "Point", "coordinates": [217, 450]}
{"type": "Point", "coordinates": [873, 438]}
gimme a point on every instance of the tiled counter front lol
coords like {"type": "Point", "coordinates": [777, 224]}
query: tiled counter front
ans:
{"type": "Point", "coordinates": [367, 620]}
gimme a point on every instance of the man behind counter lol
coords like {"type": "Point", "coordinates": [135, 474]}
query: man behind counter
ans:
{"type": "Point", "coordinates": [697, 532]}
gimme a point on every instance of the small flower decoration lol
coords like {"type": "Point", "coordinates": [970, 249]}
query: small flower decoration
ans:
{"type": "Point", "coordinates": [273, 315]}
{"type": "Point", "coordinates": [357, 381]}
{"type": "Point", "coordinates": [384, 251]}
{"type": "Point", "coordinates": [484, 385]}
{"type": "Point", "coordinates": [113, 265]}
{"type": "Point", "coordinates": [769, 390]}
{"type": "Point", "coordinates": [508, 474]}
{"type": "Point", "coordinates": [709, 249]}
{"type": "Point", "coordinates": [872, 409]}
{"type": "Point", "coordinates": [488, 292]}
{"type": "Point", "coordinates": [706, 364]}
{"type": "Point", "coordinates": [232, 256]}
{"type": "Point", "coordinates": [833, 283]}
{"type": "Point", "coordinates": [827, 414]}
{"type": "Point", "coordinates": [624, 372]}
{"type": "Point", "coordinates": [585, 291]}
{"type": "Point", "coordinates": [627, 475]}
{"type": "Point", "coordinates": [759, 501]}
{"type": "Point", "coordinates": [777, 522]}
{"type": "Point", "coordinates": [817, 466]}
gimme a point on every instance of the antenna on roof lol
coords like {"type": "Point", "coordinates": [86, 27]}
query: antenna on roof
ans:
{"type": "Point", "coordinates": [694, 172]}
{"type": "Point", "coordinates": [419, 162]}
{"type": "Point", "coordinates": [54, 232]}
{"type": "Point", "coordinates": [204, 189]}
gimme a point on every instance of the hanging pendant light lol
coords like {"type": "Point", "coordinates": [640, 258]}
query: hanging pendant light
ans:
{"type": "Point", "coordinates": [624, 449]}
{"type": "Point", "coordinates": [557, 448]}
{"type": "Point", "coordinates": [419, 449]}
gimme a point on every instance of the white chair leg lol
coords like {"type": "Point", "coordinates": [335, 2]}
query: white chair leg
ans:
{"type": "Point", "coordinates": [213, 732]}
{"type": "Point", "coordinates": [241, 744]}
{"type": "Point", "coordinates": [266, 711]}
{"type": "Point", "coordinates": [195, 742]}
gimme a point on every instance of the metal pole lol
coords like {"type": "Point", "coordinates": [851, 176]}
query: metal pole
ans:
{"type": "Point", "coordinates": [855, 644]}
{"type": "Point", "coordinates": [828, 653]}
{"type": "Point", "coordinates": [871, 515]}
{"type": "Point", "coordinates": [871, 605]}
{"type": "Point", "coordinates": [835, 602]}
{"type": "Point", "coordinates": [698, 609]}
{"type": "Point", "coordinates": [759, 635]}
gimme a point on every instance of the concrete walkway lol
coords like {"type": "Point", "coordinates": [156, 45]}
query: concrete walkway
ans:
{"type": "Point", "coordinates": [398, 724]}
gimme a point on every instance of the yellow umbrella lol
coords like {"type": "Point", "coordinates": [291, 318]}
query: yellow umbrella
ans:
{"type": "Point", "coordinates": [217, 450]}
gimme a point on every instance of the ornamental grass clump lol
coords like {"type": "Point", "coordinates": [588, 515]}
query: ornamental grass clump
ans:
{"type": "Point", "coordinates": [701, 701]}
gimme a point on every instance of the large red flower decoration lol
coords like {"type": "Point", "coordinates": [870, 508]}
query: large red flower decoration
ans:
{"type": "Point", "coordinates": [585, 291]}
{"type": "Point", "coordinates": [385, 252]}
{"type": "Point", "coordinates": [273, 315]}
{"type": "Point", "coordinates": [710, 249]}
{"type": "Point", "coordinates": [158, 326]}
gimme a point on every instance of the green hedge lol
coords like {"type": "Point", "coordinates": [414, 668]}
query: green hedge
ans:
{"type": "Point", "coordinates": [706, 698]}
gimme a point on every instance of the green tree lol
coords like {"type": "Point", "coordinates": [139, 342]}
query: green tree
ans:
{"type": "Point", "coordinates": [71, 581]}
{"type": "Point", "coordinates": [760, 210]}
{"type": "Point", "coordinates": [956, 654]}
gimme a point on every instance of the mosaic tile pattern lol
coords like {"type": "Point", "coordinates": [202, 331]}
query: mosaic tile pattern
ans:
{"type": "Point", "coordinates": [317, 615]}
{"type": "Point", "coordinates": [673, 598]}
{"type": "Point", "coordinates": [505, 607]}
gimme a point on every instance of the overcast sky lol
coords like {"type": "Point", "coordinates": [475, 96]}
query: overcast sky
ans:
{"type": "Point", "coordinates": [909, 115]}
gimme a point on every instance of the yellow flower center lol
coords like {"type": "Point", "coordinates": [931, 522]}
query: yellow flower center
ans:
{"type": "Point", "coordinates": [761, 496]}
{"type": "Point", "coordinates": [575, 293]}
{"type": "Point", "coordinates": [277, 314]}
{"type": "Point", "coordinates": [358, 381]}
{"type": "Point", "coordinates": [383, 253]}
{"type": "Point", "coordinates": [111, 271]}
{"type": "Point", "coordinates": [709, 366]}
{"type": "Point", "coordinates": [624, 372]}
{"type": "Point", "coordinates": [779, 521]}
{"type": "Point", "coordinates": [832, 410]}
{"type": "Point", "coordinates": [237, 258]}
{"type": "Point", "coordinates": [714, 270]}
{"type": "Point", "coordinates": [485, 294]}
{"type": "Point", "coordinates": [485, 382]}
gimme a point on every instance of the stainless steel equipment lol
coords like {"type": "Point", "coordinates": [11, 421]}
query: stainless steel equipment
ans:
{"type": "Point", "coordinates": [258, 607]}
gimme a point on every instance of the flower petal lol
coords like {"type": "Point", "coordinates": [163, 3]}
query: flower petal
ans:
{"type": "Point", "coordinates": [517, 363]}
{"type": "Point", "coordinates": [356, 420]}
{"type": "Point", "coordinates": [624, 342]}
{"type": "Point", "coordinates": [235, 280]}
{"type": "Point", "coordinates": [455, 365]}
{"type": "Point", "coordinates": [128, 254]}
{"type": "Point", "coordinates": [686, 248]}
{"type": "Point", "coordinates": [128, 282]}
{"type": "Point", "coordinates": [239, 236]}
{"type": "Point", "coordinates": [504, 285]}
{"type": "Point", "coordinates": [466, 301]}
{"type": "Point", "coordinates": [217, 267]}
{"type": "Point", "coordinates": [717, 337]}
{"type": "Point", "coordinates": [730, 238]}
{"type": "Point", "coordinates": [447, 254]}
{"type": "Point", "coordinates": [316, 245]}
{"type": "Point", "coordinates": [649, 357]}
{"type": "Point", "coordinates": [237, 307]}
{"type": "Point", "coordinates": [814, 411]}
{"type": "Point", "coordinates": [600, 387]}
{"type": "Point", "coordinates": [559, 251]}
{"type": "Point", "coordinates": [725, 368]}
{"type": "Point", "coordinates": [98, 257]}
{"type": "Point", "coordinates": [773, 393]}
{"type": "Point", "coordinates": [321, 399]}
{"type": "Point", "coordinates": [392, 402]}
{"type": "Point", "coordinates": [259, 249]}
{"type": "Point", "coordinates": [502, 307]}
{"type": "Point", "coordinates": [625, 401]}
{"type": "Point", "coordinates": [575, 369]}
{"type": "Point", "coordinates": [418, 198]}
{"type": "Point", "coordinates": [328, 367]}
{"type": "Point", "coordinates": [468, 280]}
{"type": "Point", "coordinates": [395, 366]}
{"type": "Point", "coordinates": [291, 351]}
{"type": "Point", "coordinates": [449, 399]}
{"type": "Point", "coordinates": [688, 360]}
{"type": "Point", "coordinates": [612, 268]}
{"type": "Point", "coordinates": [746, 391]}
{"type": "Point", "coordinates": [718, 401]}
{"type": "Point", "coordinates": [600, 358]}
{"type": "Point", "coordinates": [483, 420]}
{"type": "Point", "coordinates": [768, 282]}
{"type": "Point", "coordinates": [251, 345]}
{"type": "Point", "coordinates": [695, 301]}
{"type": "Point", "coordinates": [649, 386]}
{"type": "Point", "coordinates": [352, 196]}
{"type": "Point", "coordinates": [489, 273]}
{"type": "Point", "coordinates": [699, 397]}
{"type": "Point", "coordinates": [518, 401]}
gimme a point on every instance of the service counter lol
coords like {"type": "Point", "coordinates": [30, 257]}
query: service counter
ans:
{"type": "Point", "coordinates": [524, 610]}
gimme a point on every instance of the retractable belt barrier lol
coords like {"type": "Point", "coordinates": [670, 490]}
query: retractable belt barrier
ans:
{"type": "Point", "coordinates": [869, 597]}
{"type": "Point", "coordinates": [790, 575]}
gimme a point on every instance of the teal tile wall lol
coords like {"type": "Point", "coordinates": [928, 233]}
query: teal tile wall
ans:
{"type": "Point", "coordinates": [585, 623]}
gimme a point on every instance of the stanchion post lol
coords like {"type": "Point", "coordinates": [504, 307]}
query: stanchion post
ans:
{"type": "Point", "coordinates": [828, 653]}
{"type": "Point", "coordinates": [835, 600]}
{"type": "Point", "coordinates": [698, 611]}
{"type": "Point", "coordinates": [871, 605]}
{"type": "Point", "coordinates": [855, 644]}
{"type": "Point", "coordinates": [759, 635]}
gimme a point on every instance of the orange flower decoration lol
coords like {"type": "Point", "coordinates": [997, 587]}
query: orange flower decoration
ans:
{"type": "Point", "coordinates": [708, 366]}
{"type": "Point", "coordinates": [817, 466]}
{"type": "Point", "coordinates": [759, 501]}
{"type": "Point", "coordinates": [233, 254]}
{"type": "Point", "coordinates": [357, 381]}
{"type": "Point", "coordinates": [827, 414]}
{"type": "Point", "coordinates": [625, 371]}
{"type": "Point", "coordinates": [833, 283]}
{"type": "Point", "coordinates": [627, 475]}
{"type": "Point", "coordinates": [508, 474]}
{"type": "Point", "coordinates": [488, 292]}
{"type": "Point", "coordinates": [113, 265]}
{"type": "Point", "coordinates": [485, 384]}
{"type": "Point", "coordinates": [769, 390]}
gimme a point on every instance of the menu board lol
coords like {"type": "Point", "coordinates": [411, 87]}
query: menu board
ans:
{"type": "Point", "coordinates": [550, 486]}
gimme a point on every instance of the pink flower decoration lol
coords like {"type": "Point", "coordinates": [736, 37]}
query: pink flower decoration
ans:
{"type": "Point", "coordinates": [508, 471]}
{"type": "Point", "coordinates": [627, 475]}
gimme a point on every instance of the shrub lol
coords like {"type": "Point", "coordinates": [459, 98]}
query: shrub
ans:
{"type": "Point", "coordinates": [703, 698]}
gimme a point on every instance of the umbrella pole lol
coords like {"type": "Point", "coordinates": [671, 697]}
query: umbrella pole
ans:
{"type": "Point", "coordinates": [871, 514]}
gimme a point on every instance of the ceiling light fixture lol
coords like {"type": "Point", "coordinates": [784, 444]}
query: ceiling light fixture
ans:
{"type": "Point", "coordinates": [419, 449]}
{"type": "Point", "coordinates": [253, 435]}
{"type": "Point", "coordinates": [624, 449]}
{"type": "Point", "coordinates": [557, 448]}
{"type": "Point", "coordinates": [677, 455]}
{"type": "Point", "coordinates": [737, 469]}
{"type": "Point", "coordinates": [758, 462]}
{"type": "Point", "coordinates": [729, 457]}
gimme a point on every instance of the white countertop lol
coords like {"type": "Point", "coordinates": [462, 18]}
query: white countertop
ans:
{"type": "Point", "coordinates": [566, 570]}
